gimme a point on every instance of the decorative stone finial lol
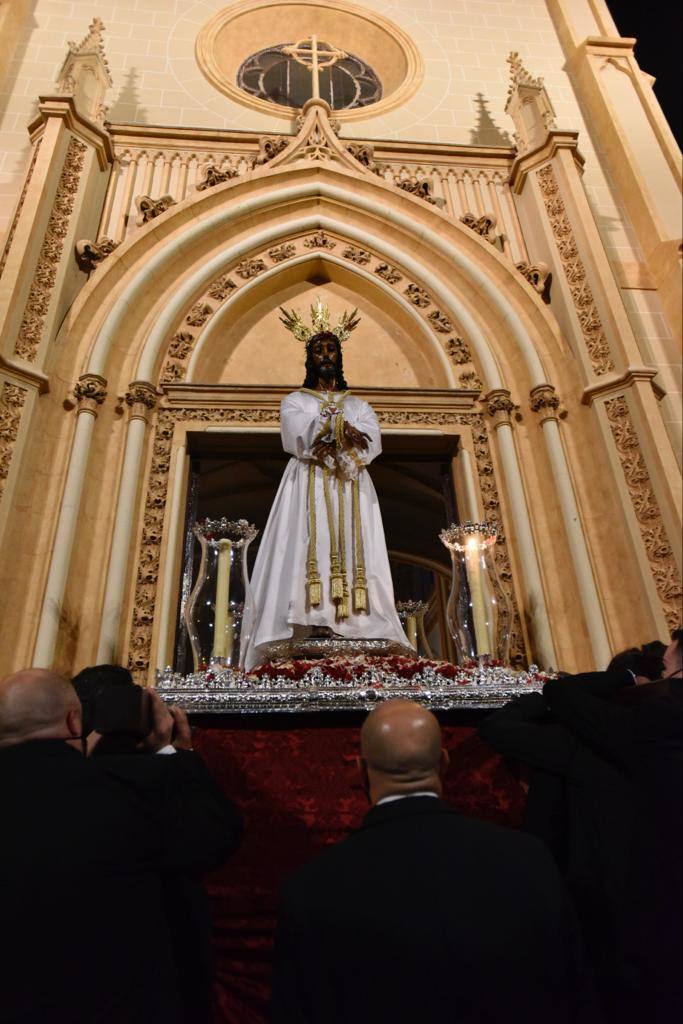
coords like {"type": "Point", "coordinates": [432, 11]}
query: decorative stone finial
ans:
{"type": "Point", "coordinates": [85, 73]}
{"type": "Point", "coordinates": [529, 106]}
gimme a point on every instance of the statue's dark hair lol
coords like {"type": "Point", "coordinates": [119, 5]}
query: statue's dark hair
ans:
{"type": "Point", "coordinates": [311, 378]}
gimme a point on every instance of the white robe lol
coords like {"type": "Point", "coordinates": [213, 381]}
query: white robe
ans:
{"type": "Point", "coordinates": [277, 601]}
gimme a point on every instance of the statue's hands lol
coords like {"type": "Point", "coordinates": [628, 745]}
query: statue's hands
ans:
{"type": "Point", "coordinates": [355, 438]}
{"type": "Point", "coordinates": [322, 448]}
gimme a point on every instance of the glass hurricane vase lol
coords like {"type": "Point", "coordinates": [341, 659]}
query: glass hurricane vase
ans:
{"type": "Point", "coordinates": [479, 610]}
{"type": "Point", "coordinates": [214, 609]}
{"type": "Point", "coordinates": [412, 616]}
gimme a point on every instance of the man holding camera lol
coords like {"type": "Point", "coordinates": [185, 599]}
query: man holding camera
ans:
{"type": "Point", "coordinates": [86, 848]}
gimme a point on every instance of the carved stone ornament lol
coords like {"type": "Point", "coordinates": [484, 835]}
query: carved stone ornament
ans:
{"type": "Point", "coordinates": [141, 397]}
{"type": "Point", "coordinates": [144, 602]}
{"type": "Point", "coordinates": [420, 187]}
{"type": "Point", "coordinates": [250, 268]}
{"type": "Point", "coordinates": [181, 345]}
{"type": "Point", "coordinates": [418, 296]}
{"type": "Point", "coordinates": [538, 275]}
{"type": "Point", "coordinates": [213, 175]}
{"type": "Point", "coordinates": [359, 256]}
{"type": "Point", "coordinates": [484, 226]}
{"type": "Point", "coordinates": [12, 399]}
{"type": "Point", "coordinates": [90, 390]}
{"type": "Point", "coordinates": [440, 322]}
{"type": "Point", "coordinates": [545, 400]}
{"type": "Point", "coordinates": [90, 254]}
{"type": "Point", "coordinates": [38, 303]}
{"type": "Point", "coordinates": [149, 208]}
{"type": "Point", "coordinates": [221, 288]}
{"type": "Point", "coordinates": [470, 381]}
{"type": "Point", "coordinates": [529, 106]}
{"type": "Point", "coordinates": [646, 509]}
{"type": "Point", "coordinates": [593, 332]}
{"type": "Point", "coordinates": [499, 406]}
{"type": "Point", "coordinates": [270, 146]}
{"type": "Point", "coordinates": [199, 314]}
{"type": "Point", "coordinates": [389, 273]}
{"type": "Point", "coordinates": [85, 73]}
{"type": "Point", "coordinates": [282, 252]}
{"type": "Point", "coordinates": [319, 241]}
{"type": "Point", "coordinates": [364, 154]}
{"type": "Point", "coordinates": [458, 351]}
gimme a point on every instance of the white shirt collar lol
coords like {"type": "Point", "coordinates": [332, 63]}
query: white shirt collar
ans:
{"type": "Point", "coordinates": [405, 796]}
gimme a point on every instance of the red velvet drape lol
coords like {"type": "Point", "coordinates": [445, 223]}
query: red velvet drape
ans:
{"type": "Point", "coordinates": [297, 786]}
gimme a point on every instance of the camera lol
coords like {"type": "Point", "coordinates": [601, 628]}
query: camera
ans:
{"type": "Point", "coordinates": [113, 704]}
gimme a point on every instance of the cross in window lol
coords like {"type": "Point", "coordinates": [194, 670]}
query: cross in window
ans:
{"type": "Point", "coordinates": [307, 52]}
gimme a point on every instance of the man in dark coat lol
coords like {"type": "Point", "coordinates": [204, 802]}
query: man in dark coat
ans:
{"type": "Point", "coordinates": [642, 737]}
{"type": "Point", "coordinates": [424, 915]}
{"type": "Point", "coordinates": [81, 861]}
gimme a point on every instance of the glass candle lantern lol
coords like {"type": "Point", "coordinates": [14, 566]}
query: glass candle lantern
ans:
{"type": "Point", "coordinates": [479, 611]}
{"type": "Point", "coordinates": [214, 609]}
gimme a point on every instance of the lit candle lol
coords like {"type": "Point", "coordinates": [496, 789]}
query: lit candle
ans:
{"type": "Point", "coordinates": [411, 630]}
{"type": "Point", "coordinates": [473, 565]}
{"type": "Point", "coordinates": [222, 618]}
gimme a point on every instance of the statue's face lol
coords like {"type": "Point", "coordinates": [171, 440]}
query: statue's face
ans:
{"type": "Point", "coordinates": [325, 355]}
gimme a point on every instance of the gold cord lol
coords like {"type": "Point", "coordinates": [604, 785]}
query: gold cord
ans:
{"type": "Point", "coordinates": [336, 579]}
{"type": "Point", "coordinates": [343, 606]}
{"type": "Point", "coordinates": [360, 586]}
{"type": "Point", "coordinates": [313, 585]}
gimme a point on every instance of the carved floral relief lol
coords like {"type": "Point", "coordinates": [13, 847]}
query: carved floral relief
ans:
{"type": "Point", "coordinates": [31, 329]}
{"type": "Point", "coordinates": [659, 553]}
{"type": "Point", "coordinates": [12, 401]}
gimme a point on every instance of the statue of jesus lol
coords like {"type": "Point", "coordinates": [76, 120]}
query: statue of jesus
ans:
{"type": "Point", "coordinates": [322, 568]}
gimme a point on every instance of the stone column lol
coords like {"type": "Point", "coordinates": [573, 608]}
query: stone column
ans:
{"type": "Point", "coordinates": [545, 402]}
{"type": "Point", "coordinates": [499, 406]}
{"type": "Point", "coordinates": [141, 399]}
{"type": "Point", "coordinates": [90, 392]}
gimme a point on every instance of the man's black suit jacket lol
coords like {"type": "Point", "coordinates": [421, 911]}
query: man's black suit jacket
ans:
{"type": "Point", "coordinates": [85, 848]}
{"type": "Point", "coordinates": [426, 916]}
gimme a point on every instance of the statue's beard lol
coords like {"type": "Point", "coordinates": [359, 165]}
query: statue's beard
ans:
{"type": "Point", "coordinates": [328, 372]}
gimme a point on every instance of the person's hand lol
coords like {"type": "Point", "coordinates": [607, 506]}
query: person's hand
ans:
{"type": "Point", "coordinates": [355, 438]}
{"type": "Point", "coordinates": [321, 448]}
{"type": "Point", "coordinates": [162, 723]}
{"type": "Point", "coordinates": [183, 733]}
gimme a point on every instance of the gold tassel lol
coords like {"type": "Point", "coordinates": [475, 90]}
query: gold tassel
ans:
{"type": "Point", "coordinates": [360, 586]}
{"type": "Point", "coordinates": [315, 593]}
{"type": "Point", "coordinates": [336, 587]}
{"type": "Point", "coordinates": [360, 597]}
{"type": "Point", "coordinates": [343, 609]}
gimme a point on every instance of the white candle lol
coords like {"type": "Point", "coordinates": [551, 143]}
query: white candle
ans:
{"type": "Point", "coordinates": [222, 619]}
{"type": "Point", "coordinates": [473, 565]}
{"type": "Point", "coordinates": [411, 630]}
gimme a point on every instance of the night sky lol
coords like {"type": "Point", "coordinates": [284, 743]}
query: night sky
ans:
{"type": "Point", "coordinates": [657, 25]}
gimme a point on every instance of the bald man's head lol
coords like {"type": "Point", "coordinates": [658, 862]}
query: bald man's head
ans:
{"type": "Point", "coordinates": [401, 750]}
{"type": "Point", "coordinates": [37, 704]}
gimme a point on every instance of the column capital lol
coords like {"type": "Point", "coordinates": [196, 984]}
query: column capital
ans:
{"type": "Point", "coordinates": [141, 398]}
{"type": "Point", "coordinates": [90, 390]}
{"type": "Point", "coordinates": [544, 400]}
{"type": "Point", "coordinates": [499, 406]}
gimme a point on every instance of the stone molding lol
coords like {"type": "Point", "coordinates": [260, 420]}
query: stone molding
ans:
{"type": "Point", "coordinates": [585, 307]}
{"type": "Point", "coordinates": [527, 162]}
{"type": "Point", "coordinates": [93, 134]}
{"type": "Point", "coordinates": [148, 560]}
{"type": "Point", "coordinates": [38, 304]}
{"type": "Point", "coordinates": [12, 401]}
{"type": "Point", "coordinates": [186, 335]}
{"type": "Point", "coordinates": [646, 509]}
{"type": "Point", "coordinates": [616, 383]}
{"type": "Point", "coordinates": [20, 205]}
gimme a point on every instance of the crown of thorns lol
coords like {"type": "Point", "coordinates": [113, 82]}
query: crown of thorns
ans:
{"type": "Point", "coordinates": [320, 321]}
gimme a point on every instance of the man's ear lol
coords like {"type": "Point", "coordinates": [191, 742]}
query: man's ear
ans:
{"type": "Point", "coordinates": [74, 721]}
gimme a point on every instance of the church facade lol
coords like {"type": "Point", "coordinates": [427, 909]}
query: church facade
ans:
{"type": "Point", "coordinates": [492, 185]}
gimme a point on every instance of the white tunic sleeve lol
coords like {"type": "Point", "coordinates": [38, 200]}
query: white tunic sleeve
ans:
{"type": "Point", "coordinates": [300, 424]}
{"type": "Point", "coordinates": [362, 416]}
